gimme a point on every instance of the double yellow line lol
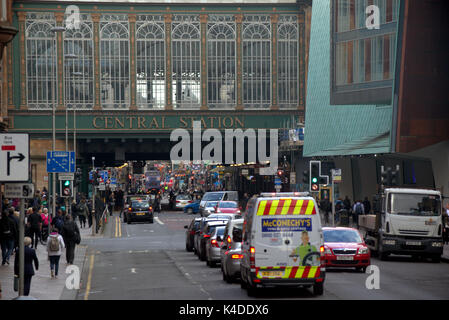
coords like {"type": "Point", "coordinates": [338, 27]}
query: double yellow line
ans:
{"type": "Point", "coordinates": [118, 228]}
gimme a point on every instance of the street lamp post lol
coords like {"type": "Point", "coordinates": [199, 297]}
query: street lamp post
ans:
{"type": "Point", "coordinates": [53, 211]}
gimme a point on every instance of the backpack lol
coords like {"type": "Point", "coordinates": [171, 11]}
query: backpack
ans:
{"type": "Point", "coordinates": [59, 223]}
{"type": "Point", "coordinates": [358, 208]}
{"type": "Point", "coordinates": [54, 244]}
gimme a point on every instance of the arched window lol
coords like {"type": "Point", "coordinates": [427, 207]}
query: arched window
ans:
{"type": "Point", "coordinates": [256, 61]}
{"type": "Point", "coordinates": [221, 55]}
{"type": "Point", "coordinates": [150, 64]}
{"type": "Point", "coordinates": [79, 71]}
{"type": "Point", "coordinates": [41, 72]}
{"type": "Point", "coordinates": [114, 61]}
{"type": "Point", "coordinates": [186, 60]}
{"type": "Point", "coordinates": [288, 72]}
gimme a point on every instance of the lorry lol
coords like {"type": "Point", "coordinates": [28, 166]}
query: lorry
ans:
{"type": "Point", "coordinates": [406, 221]}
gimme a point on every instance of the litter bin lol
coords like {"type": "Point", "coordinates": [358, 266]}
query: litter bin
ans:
{"type": "Point", "coordinates": [344, 218]}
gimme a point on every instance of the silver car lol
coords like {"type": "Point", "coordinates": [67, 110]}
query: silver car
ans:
{"type": "Point", "coordinates": [230, 252]}
{"type": "Point", "coordinates": [213, 246]}
{"type": "Point", "coordinates": [209, 208]}
{"type": "Point", "coordinates": [182, 200]}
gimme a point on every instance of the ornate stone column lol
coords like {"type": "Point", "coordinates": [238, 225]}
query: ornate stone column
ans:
{"type": "Point", "coordinates": [203, 22]}
{"type": "Point", "coordinates": [168, 66]}
{"type": "Point", "coordinates": [238, 22]}
{"type": "Point", "coordinates": [274, 58]}
{"type": "Point", "coordinates": [96, 26]}
{"type": "Point", "coordinates": [132, 51]}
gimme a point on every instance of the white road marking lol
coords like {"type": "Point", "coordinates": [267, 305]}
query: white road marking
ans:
{"type": "Point", "coordinates": [158, 221]}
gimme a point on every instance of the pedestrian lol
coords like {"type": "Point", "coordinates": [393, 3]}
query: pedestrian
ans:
{"type": "Point", "coordinates": [55, 245]}
{"type": "Point", "coordinates": [8, 234]}
{"type": "Point", "coordinates": [157, 203]}
{"type": "Point", "coordinates": [71, 236]}
{"type": "Point", "coordinates": [15, 219]}
{"type": "Point", "coordinates": [367, 205]}
{"type": "Point", "coordinates": [35, 224]}
{"type": "Point", "coordinates": [83, 213]}
{"type": "Point", "coordinates": [244, 201]}
{"type": "Point", "coordinates": [30, 257]}
{"type": "Point", "coordinates": [74, 210]}
{"type": "Point", "coordinates": [446, 225]}
{"type": "Point", "coordinates": [46, 220]}
{"type": "Point", "coordinates": [357, 210]}
{"type": "Point", "coordinates": [58, 221]}
{"type": "Point", "coordinates": [347, 204]}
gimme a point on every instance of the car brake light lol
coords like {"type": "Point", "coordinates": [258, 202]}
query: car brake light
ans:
{"type": "Point", "coordinates": [252, 258]}
{"type": "Point", "coordinates": [229, 240]}
{"type": "Point", "coordinates": [206, 235]}
{"type": "Point", "coordinates": [190, 201]}
{"type": "Point", "coordinates": [237, 256]}
{"type": "Point", "coordinates": [177, 201]}
{"type": "Point", "coordinates": [214, 243]}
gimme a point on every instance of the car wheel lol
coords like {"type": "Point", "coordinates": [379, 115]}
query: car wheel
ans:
{"type": "Point", "coordinates": [251, 290]}
{"type": "Point", "coordinates": [318, 289]}
{"type": "Point", "coordinates": [436, 258]}
{"type": "Point", "coordinates": [212, 264]}
{"type": "Point", "coordinates": [242, 280]}
{"type": "Point", "coordinates": [128, 221]}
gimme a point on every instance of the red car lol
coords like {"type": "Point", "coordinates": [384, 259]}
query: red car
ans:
{"type": "Point", "coordinates": [344, 247]}
{"type": "Point", "coordinates": [227, 207]}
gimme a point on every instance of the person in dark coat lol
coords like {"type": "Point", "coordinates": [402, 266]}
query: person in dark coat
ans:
{"type": "Point", "coordinates": [30, 257]}
{"type": "Point", "coordinates": [8, 233]}
{"type": "Point", "coordinates": [69, 232]}
{"type": "Point", "coordinates": [367, 205]}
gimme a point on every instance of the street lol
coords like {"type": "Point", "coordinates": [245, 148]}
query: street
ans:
{"type": "Point", "coordinates": [149, 262]}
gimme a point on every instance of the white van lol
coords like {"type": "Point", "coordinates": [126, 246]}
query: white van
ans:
{"type": "Point", "coordinates": [282, 243]}
{"type": "Point", "coordinates": [217, 196]}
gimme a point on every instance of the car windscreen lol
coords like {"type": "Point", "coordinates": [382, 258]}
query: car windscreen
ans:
{"type": "Point", "coordinates": [228, 205]}
{"type": "Point", "coordinates": [140, 205]}
{"type": "Point", "coordinates": [213, 196]}
{"type": "Point", "coordinates": [220, 231]}
{"type": "Point", "coordinates": [350, 236]}
{"type": "Point", "coordinates": [183, 197]}
{"type": "Point", "coordinates": [409, 204]}
{"type": "Point", "coordinates": [211, 204]}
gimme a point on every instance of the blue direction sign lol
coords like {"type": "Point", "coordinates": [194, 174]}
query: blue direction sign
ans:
{"type": "Point", "coordinates": [60, 161]}
{"type": "Point", "coordinates": [277, 181]}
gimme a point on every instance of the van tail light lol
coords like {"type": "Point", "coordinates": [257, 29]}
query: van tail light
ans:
{"type": "Point", "coordinates": [214, 243]}
{"type": "Point", "coordinates": [252, 258]}
{"type": "Point", "coordinates": [229, 240]}
{"type": "Point", "coordinates": [206, 236]}
{"type": "Point", "coordinates": [322, 251]}
{"type": "Point", "coordinates": [237, 256]}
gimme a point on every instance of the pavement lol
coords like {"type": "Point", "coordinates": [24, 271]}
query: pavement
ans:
{"type": "Point", "coordinates": [42, 286]}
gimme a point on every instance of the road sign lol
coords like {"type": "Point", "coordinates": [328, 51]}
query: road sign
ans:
{"type": "Point", "coordinates": [60, 161]}
{"type": "Point", "coordinates": [19, 190]}
{"type": "Point", "coordinates": [277, 181]}
{"type": "Point", "coordinates": [336, 175]}
{"type": "Point", "coordinates": [66, 176]}
{"type": "Point", "coordinates": [14, 157]}
{"type": "Point", "coordinates": [292, 177]}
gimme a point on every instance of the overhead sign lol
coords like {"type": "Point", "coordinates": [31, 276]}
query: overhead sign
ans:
{"type": "Point", "coordinates": [14, 157]}
{"type": "Point", "coordinates": [60, 161]}
{"type": "Point", "coordinates": [19, 190]}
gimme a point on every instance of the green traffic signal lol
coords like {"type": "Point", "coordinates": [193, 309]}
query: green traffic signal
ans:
{"type": "Point", "coordinates": [314, 180]}
{"type": "Point", "coordinates": [67, 183]}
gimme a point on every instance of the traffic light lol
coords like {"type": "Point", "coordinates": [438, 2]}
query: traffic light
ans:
{"type": "Point", "coordinates": [78, 176]}
{"type": "Point", "coordinates": [280, 173]}
{"type": "Point", "coordinates": [305, 177]}
{"type": "Point", "coordinates": [66, 188]}
{"type": "Point", "coordinates": [394, 178]}
{"type": "Point", "coordinates": [315, 168]}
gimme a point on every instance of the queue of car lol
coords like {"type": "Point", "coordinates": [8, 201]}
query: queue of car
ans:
{"type": "Point", "coordinates": [251, 246]}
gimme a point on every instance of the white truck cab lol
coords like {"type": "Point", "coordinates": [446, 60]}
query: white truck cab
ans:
{"type": "Point", "coordinates": [408, 221]}
{"type": "Point", "coordinates": [282, 243]}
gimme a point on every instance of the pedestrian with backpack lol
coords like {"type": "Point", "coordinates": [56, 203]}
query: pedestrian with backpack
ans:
{"type": "Point", "coordinates": [55, 245]}
{"type": "Point", "coordinates": [357, 210]}
{"type": "Point", "coordinates": [71, 236]}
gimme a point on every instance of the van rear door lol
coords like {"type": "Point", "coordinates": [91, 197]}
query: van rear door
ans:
{"type": "Point", "coordinates": [287, 237]}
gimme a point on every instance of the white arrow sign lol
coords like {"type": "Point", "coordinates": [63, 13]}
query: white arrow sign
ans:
{"type": "Point", "coordinates": [14, 157]}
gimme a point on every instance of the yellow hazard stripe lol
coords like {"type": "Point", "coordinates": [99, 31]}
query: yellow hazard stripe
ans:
{"type": "Point", "coordinates": [287, 203]}
{"type": "Point", "coordinates": [261, 209]}
{"type": "Point", "coordinates": [274, 206]}
{"type": "Point", "coordinates": [298, 207]}
{"type": "Point", "coordinates": [309, 208]}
